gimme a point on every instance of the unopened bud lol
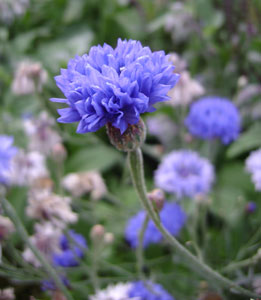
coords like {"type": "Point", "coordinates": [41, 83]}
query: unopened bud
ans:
{"type": "Point", "coordinates": [43, 183]}
{"type": "Point", "coordinates": [250, 207]}
{"type": "Point", "coordinates": [57, 295]}
{"type": "Point", "coordinates": [97, 233]}
{"type": "Point", "coordinates": [59, 152]}
{"type": "Point", "coordinates": [6, 227]}
{"type": "Point", "coordinates": [108, 238]}
{"type": "Point", "coordinates": [242, 81]}
{"type": "Point", "coordinates": [130, 140]}
{"type": "Point", "coordinates": [157, 197]}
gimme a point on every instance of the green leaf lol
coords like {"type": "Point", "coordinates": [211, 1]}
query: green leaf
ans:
{"type": "Point", "coordinates": [247, 141]}
{"type": "Point", "coordinates": [100, 158]}
{"type": "Point", "coordinates": [229, 197]}
{"type": "Point", "coordinates": [58, 52]}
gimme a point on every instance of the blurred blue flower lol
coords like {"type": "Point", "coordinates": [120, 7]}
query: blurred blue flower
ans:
{"type": "Point", "coordinates": [49, 284]}
{"type": "Point", "coordinates": [214, 117]}
{"type": "Point", "coordinates": [70, 252]}
{"type": "Point", "coordinates": [114, 85]}
{"type": "Point", "coordinates": [253, 166]}
{"type": "Point", "coordinates": [172, 217]}
{"type": "Point", "coordinates": [148, 291]}
{"type": "Point", "coordinates": [185, 174]}
{"type": "Point", "coordinates": [250, 207]}
{"type": "Point", "coordinates": [7, 151]}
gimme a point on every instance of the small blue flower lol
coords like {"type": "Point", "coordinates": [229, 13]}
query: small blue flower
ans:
{"type": "Point", "coordinates": [172, 217]}
{"type": "Point", "coordinates": [70, 253]}
{"type": "Point", "coordinates": [114, 85]}
{"type": "Point", "coordinates": [49, 284]}
{"type": "Point", "coordinates": [7, 151]}
{"type": "Point", "coordinates": [185, 174]}
{"type": "Point", "coordinates": [213, 117]}
{"type": "Point", "coordinates": [148, 291]}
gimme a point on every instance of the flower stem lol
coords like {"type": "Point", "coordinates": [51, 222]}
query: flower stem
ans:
{"type": "Point", "coordinates": [139, 249]}
{"type": "Point", "coordinates": [8, 208]}
{"type": "Point", "coordinates": [137, 172]}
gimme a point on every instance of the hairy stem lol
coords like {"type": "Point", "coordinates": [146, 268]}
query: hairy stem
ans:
{"type": "Point", "coordinates": [136, 168]}
{"type": "Point", "coordinates": [139, 249]}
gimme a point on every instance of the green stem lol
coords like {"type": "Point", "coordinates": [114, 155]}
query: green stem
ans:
{"type": "Point", "coordinates": [24, 235]}
{"type": "Point", "coordinates": [241, 264]}
{"type": "Point", "coordinates": [139, 249]}
{"type": "Point", "coordinates": [136, 167]}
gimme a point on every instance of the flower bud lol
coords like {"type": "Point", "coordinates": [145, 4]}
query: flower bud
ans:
{"type": "Point", "coordinates": [108, 238]}
{"type": "Point", "coordinates": [157, 197]}
{"type": "Point", "coordinates": [250, 207]}
{"type": "Point", "coordinates": [97, 233]}
{"type": "Point", "coordinates": [130, 140]}
{"type": "Point", "coordinates": [6, 227]}
{"type": "Point", "coordinates": [59, 152]}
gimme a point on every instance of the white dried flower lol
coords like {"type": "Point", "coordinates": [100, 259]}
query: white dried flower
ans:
{"type": "Point", "coordinates": [10, 9]}
{"type": "Point", "coordinates": [44, 205]}
{"type": "Point", "coordinates": [82, 183]}
{"type": "Point", "coordinates": [185, 91]}
{"type": "Point", "coordinates": [42, 137]}
{"type": "Point", "coordinates": [46, 239]}
{"type": "Point", "coordinates": [253, 166]}
{"type": "Point", "coordinates": [257, 285]}
{"type": "Point", "coordinates": [26, 168]}
{"type": "Point", "coordinates": [179, 63]}
{"type": "Point", "coordinates": [6, 227]}
{"type": "Point", "coordinates": [7, 294]}
{"type": "Point", "coordinates": [179, 22]}
{"type": "Point", "coordinates": [162, 127]}
{"type": "Point", "coordinates": [118, 291]}
{"type": "Point", "coordinates": [29, 78]}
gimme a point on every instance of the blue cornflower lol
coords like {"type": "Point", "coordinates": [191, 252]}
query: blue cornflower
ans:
{"type": "Point", "coordinates": [214, 117]}
{"type": "Point", "coordinates": [148, 291]}
{"type": "Point", "coordinates": [185, 174]}
{"type": "Point", "coordinates": [172, 217]}
{"type": "Point", "coordinates": [7, 151]}
{"type": "Point", "coordinates": [70, 253]}
{"type": "Point", "coordinates": [49, 284]}
{"type": "Point", "coordinates": [114, 85]}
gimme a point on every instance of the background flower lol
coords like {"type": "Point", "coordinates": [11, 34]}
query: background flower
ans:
{"type": "Point", "coordinates": [71, 250]}
{"type": "Point", "coordinates": [253, 166]}
{"type": "Point", "coordinates": [7, 152]}
{"type": "Point", "coordinates": [172, 217]}
{"type": "Point", "coordinates": [148, 291]}
{"type": "Point", "coordinates": [185, 174]}
{"type": "Point", "coordinates": [214, 117]}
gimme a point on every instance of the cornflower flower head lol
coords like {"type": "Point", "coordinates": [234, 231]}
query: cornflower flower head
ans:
{"type": "Point", "coordinates": [72, 250]}
{"type": "Point", "coordinates": [114, 86]}
{"type": "Point", "coordinates": [214, 118]}
{"type": "Point", "coordinates": [133, 291]}
{"type": "Point", "coordinates": [185, 174]}
{"type": "Point", "coordinates": [172, 217]}
{"type": "Point", "coordinates": [7, 152]}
